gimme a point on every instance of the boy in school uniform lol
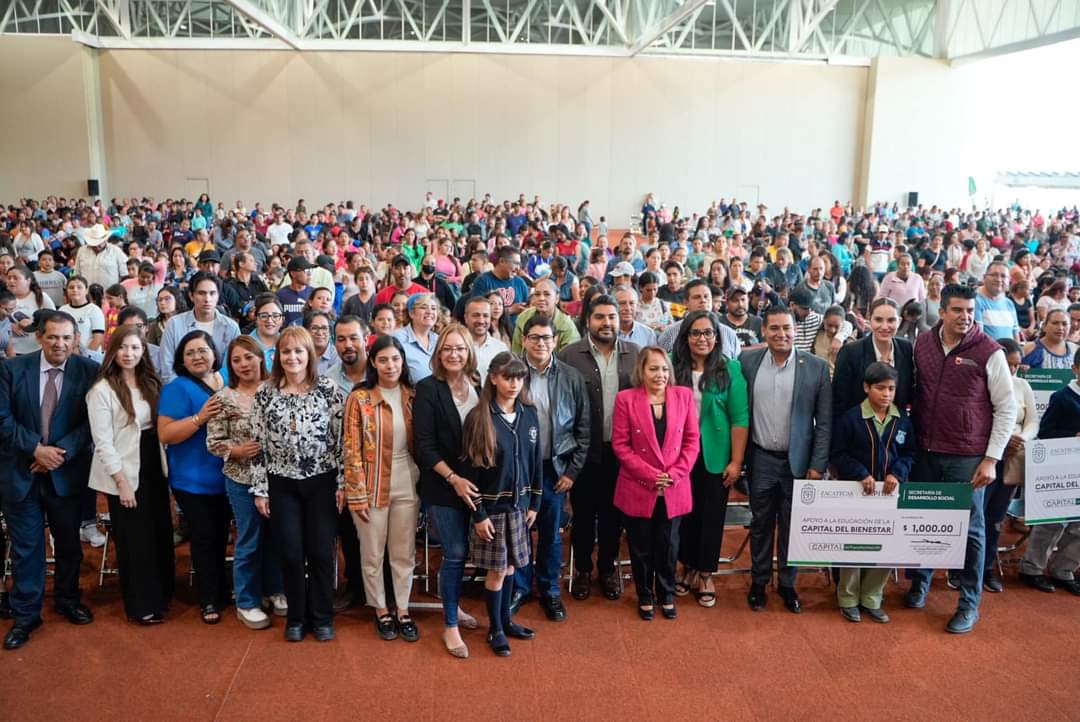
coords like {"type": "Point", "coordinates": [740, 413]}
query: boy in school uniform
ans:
{"type": "Point", "coordinates": [871, 442]}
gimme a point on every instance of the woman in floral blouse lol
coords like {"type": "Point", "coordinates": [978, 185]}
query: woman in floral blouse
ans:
{"type": "Point", "coordinates": [297, 479]}
{"type": "Point", "coordinates": [256, 571]}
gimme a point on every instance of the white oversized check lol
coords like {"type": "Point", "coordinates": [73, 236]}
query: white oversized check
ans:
{"type": "Point", "coordinates": [1052, 481]}
{"type": "Point", "coordinates": [833, 524]}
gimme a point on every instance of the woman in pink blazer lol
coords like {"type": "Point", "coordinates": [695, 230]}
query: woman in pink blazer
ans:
{"type": "Point", "coordinates": [656, 438]}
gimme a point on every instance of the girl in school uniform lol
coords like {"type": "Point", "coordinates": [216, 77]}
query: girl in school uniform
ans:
{"type": "Point", "coordinates": [501, 441]}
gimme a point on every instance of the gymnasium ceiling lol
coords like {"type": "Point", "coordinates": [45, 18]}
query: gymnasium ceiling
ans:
{"type": "Point", "coordinates": [839, 31]}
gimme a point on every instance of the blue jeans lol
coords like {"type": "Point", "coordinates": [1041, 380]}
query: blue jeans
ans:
{"type": "Point", "coordinates": [951, 468]}
{"type": "Point", "coordinates": [549, 543]}
{"type": "Point", "coordinates": [453, 525]}
{"type": "Point", "coordinates": [256, 570]}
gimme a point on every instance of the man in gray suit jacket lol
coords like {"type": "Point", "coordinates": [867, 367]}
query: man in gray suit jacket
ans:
{"type": "Point", "coordinates": [790, 428]}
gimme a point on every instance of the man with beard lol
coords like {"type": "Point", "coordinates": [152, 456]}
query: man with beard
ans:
{"type": "Point", "coordinates": [606, 363]}
{"type": "Point", "coordinates": [347, 373]}
{"type": "Point", "coordinates": [478, 321]}
{"type": "Point", "coordinates": [738, 319]}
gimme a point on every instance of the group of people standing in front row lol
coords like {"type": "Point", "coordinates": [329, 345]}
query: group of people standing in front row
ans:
{"type": "Point", "coordinates": [641, 440]}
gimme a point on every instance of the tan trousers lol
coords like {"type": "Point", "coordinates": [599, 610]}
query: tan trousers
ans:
{"type": "Point", "coordinates": [391, 529]}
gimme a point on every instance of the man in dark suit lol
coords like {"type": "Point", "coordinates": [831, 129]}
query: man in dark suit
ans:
{"type": "Point", "coordinates": [606, 364]}
{"type": "Point", "coordinates": [44, 467]}
{"type": "Point", "coordinates": [790, 431]}
{"type": "Point", "coordinates": [880, 345]}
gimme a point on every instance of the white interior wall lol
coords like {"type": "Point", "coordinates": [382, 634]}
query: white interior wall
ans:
{"type": "Point", "coordinates": [43, 119]}
{"type": "Point", "coordinates": [376, 127]}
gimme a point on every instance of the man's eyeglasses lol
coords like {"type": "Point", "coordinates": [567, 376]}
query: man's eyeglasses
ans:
{"type": "Point", "coordinates": [540, 338]}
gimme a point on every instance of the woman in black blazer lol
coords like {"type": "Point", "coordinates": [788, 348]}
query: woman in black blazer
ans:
{"type": "Point", "coordinates": [442, 402]}
{"type": "Point", "coordinates": [882, 344]}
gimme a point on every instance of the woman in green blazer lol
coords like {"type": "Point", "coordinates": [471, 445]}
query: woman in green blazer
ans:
{"type": "Point", "coordinates": [720, 391]}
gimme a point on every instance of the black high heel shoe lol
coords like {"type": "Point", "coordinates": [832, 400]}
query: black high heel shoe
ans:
{"type": "Point", "coordinates": [647, 612]}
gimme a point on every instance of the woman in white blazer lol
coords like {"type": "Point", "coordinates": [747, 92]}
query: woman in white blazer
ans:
{"type": "Point", "coordinates": [128, 468]}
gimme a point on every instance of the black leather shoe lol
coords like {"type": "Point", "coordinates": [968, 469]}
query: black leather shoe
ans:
{"type": "Point", "coordinates": [19, 634]}
{"type": "Point", "coordinates": [149, 620]}
{"type": "Point", "coordinates": [519, 632]}
{"type": "Point", "coordinates": [1038, 581]}
{"type": "Point", "coordinates": [791, 599]}
{"type": "Point", "coordinates": [992, 582]}
{"type": "Point", "coordinates": [408, 629]}
{"type": "Point", "coordinates": [647, 614]}
{"type": "Point", "coordinates": [76, 613]}
{"type": "Point", "coordinates": [1070, 585]}
{"type": "Point", "coordinates": [5, 606]}
{"type": "Point", "coordinates": [499, 645]}
{"type": "Point", "coordinates": [386, 627]}
{"type": "Point", "coordinates": [517, 599]}
{"type": "Point", "coordinates": [669, 612]}
{"type": "Point", "coordinates": [582, 586]}
{"type": "Point", "coordinates": [323, 632]}
{"type": "Point", "coordinates": [610, 584]}
{"type": "Point", "coordinates": [553, 608]}
{"type": "Point", "coordinates": [757, 597]}
{"type": "Point", "coordinates": [916, 595]}
{"type": "Point", "coordinates": [294, 633]}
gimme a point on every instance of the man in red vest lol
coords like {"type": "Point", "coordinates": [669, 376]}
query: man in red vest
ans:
{"type": "Point", "coordinates": [964, 412]}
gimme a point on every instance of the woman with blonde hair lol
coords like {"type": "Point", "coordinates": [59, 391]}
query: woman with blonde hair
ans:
{"type": "Point", "coordinates": [442, 402]}
{"type": "Point", "coordinates": [297, 481]}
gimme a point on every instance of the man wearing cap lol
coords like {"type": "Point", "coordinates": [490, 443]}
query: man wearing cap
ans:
{"type": "Point", "coordinates": [294, 297]}
{"type": "Point", "coordinates": [320, 277]}
{"type": "Point", "coordinates": [544, 299]}
{"type": "Point", "coordinates": [699, 298]}
{"type": "Point", "coordinates": [99, 261]}
{"type": "Point", "coordinates": [210, 263]}
{"type": "Point", "coordinates": [204, 289]}
{"type": "Point", "coordinates": [621, 275]}
{"type": "Point", "coordinates": [880, 251]}
{"type": "Point", "coordinates": [746, 327]}
{"type": "Point", "coordinates": [401, 271]}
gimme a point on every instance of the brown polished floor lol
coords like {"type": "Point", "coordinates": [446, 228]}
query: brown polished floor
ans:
{"type": "Point", "coordinates": [603, 663]}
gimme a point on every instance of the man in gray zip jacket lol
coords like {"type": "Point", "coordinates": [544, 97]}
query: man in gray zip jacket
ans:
{"type": "Point", "coordinates": [558, 391]}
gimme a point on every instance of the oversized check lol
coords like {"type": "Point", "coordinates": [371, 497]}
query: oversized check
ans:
{"type": "Point", "coordinates": [1052, 481]}
{"type": "Point", "coordinates": [833, 524]}
{"type": "Point", "coordinates": [1044, 382]}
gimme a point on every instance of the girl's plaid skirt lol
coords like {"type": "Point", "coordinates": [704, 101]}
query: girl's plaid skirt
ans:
{"type": "Point", "coordinates": [509, 547]}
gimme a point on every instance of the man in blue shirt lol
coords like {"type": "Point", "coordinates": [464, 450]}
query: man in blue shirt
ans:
{"type": "Point", "coordinates": [294, 297]}
{"type": "Point", "coordinates": [994, 312]}
{"type": "Point", "coordinates": [504, 279]}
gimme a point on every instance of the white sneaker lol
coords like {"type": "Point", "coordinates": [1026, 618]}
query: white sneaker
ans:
{"type": "Point", "coordinates": [277, 603]}
{"type": "Point", "coordinates": [91, 535]}
{"type": "Point", "coordinates": [253, 618]}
